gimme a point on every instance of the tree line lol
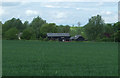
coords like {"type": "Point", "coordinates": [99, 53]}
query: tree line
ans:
{"type": "Point", "coordinates": [95, 30]}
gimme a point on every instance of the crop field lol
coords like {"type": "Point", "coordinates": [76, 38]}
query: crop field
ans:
{"type": "Point", "coordinates": [39, 58]}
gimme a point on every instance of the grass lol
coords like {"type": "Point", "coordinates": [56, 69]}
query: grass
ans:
{"type": "Point", "coordinates": [37, 58]}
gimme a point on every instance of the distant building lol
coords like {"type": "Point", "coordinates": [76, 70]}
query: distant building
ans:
{"type": "Point", "coordinates": [77, 38]}
{"type": "Point", "coordinates": [59, 36]}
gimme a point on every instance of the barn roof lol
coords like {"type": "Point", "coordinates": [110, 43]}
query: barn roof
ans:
{"type": "Point", "coordinates": [72, 38]}
{"type": "Point", "coordinates": [58, 34]}
{"type": "Point", "coordinates": [75, 37]}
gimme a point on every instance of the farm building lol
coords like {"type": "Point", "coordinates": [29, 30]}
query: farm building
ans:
{"type": "Point", "coordinates": [77, 38]}
{"type": "Point", "coordinates": [59, 36]}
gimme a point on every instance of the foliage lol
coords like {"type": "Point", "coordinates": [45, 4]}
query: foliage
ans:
{"type": "Point", "coordinates": [28, 34]}
{"type": "Point", "coordinates": [94, 28]}
{"type": "Point", "coordinates": [26, 24]}
{"type": "Point", "coordinates": [63, 29]}
{"type": "Point", "coordinates": [11, 34]}
{"type": "Point", "coordinates": [45, 39]}
{"type": "Point", "coordinates": [40, 38]}
{"type": "Point", "coordinates": [66, 29]}
{"type": "Point", "coordinates": [108, 28]}
{"type": "Point", "coordinates": [76, 31]}
{"type": "Point", "coordinates": [13, 23]}
{"type": "Point", "coordinates": [36, 25]}
{"type": "Point", "coordinates": [117, 36]}
{"type": "Point", "coordinates": [116, 26]}
{"type": "Point", "coordinates": [48, 28]}
{"type": "Point", "coordinates": [108, 33]}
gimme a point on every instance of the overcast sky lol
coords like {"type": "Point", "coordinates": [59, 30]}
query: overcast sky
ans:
{"type": "Point", "coordinates": [60, 12]}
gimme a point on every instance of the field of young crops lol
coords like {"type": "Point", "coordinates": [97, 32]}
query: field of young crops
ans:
{"type": "Point", "coordinates": [37, 58]}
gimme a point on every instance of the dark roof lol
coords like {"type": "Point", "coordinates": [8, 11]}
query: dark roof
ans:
{"type": "Point", "coordinates": [75, 37]}
{"type": "Point", "coordinates": [58, 34]}
{"type": "Point", "coordinates": [72, 38]}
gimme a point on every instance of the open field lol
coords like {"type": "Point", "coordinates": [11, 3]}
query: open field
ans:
{"type": "Point", "coordinates": [37, 58]}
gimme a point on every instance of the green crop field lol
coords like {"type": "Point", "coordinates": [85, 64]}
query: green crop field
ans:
{"type": "Point", "coordinates": [39, 58]}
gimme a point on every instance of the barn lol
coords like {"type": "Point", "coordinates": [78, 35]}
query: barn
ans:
{"type": "Point", "coordinates": [77, 38]}
{"type": "Point", "coordinates": [59, 36]}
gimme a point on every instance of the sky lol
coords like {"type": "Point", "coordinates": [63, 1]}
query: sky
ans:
{"type": "Point", "coordinates": [65, 13]}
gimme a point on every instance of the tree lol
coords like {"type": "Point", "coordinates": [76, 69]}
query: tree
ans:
{"type": "Point", "coordinates": [36, 25]}
{"type": "Point", "coordinates": [60, 29]}
{"type": "Point", "coordinates": [66, 29]}
{"type": "Point", "coordinates": [11, 34]}
{"type": "Point", "coordinates": [116, 26]}
{"type": "Point", "coordinates": [26, 24]}
{"type": "Point", "coordinates": [78, 30]}
{"type": "Point", "coordinates": [63, 29]}
{"type": "Point", "coordinates": [108, 30]}
{"type": "Point", "coordinates": [94, 28]}
{"type": "Point", "coordinates": [18, 24]}
{"type": "Point", "coordinates": [75, 31]}
{"type": "Point", "coordinates": [28, 34]}
{"type": "Point", "coordinates": [13, 23]}
{"type": "Point", "coordinates": [7, 25]}
{"type": "Point", "coordinates": [117, 36]}
{"type": "Point", "coordinates": [48, 28]}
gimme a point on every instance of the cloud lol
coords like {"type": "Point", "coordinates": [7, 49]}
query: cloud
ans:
{"type": "Point", "coordinates": [78, 8]}
{"type": "Point", "coordinates": [60, 12]}
{"type": "Point", "coordinates": [60, 15]}
{"type": "Point", "coordinates": [111, 19]}
{"type": "Point", "coordinates": [82, 9]}
{"type": "Point", "coordinates": [57, 17]}
{"type": "Point", "coordinates": [106, 12]}
{"type": "Point", "coordinates": [55, 6]}
{"type": "Point", "coordinates": [86, 9]}
{"type": "Point", "coordinates": [1, 11]}
{"type": "Point", "coordinates": [31, 12]}
{"type": "Point", "coordinates": [24, 2]}
{"type": "Point", "coordinates": [51, 6]}
{"type": "Point", "coordinates": [61, 0]}
{"type": "Point", "coordinates": [100, 3]}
